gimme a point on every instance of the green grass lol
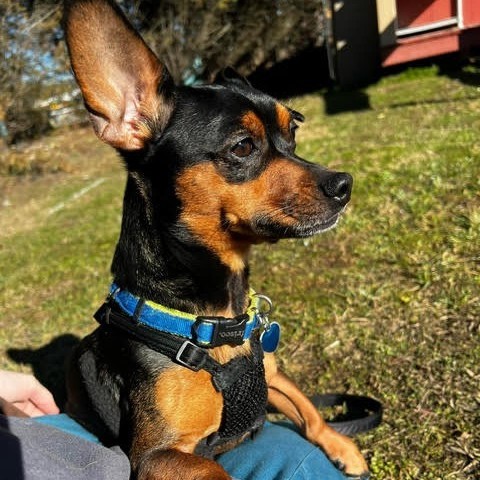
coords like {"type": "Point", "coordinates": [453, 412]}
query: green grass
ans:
{"type": "Point", "coordinates": [387, 305]}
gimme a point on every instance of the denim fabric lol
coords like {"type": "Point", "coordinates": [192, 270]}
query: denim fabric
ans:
{"type": "Point", "coordinates": [278, 453]}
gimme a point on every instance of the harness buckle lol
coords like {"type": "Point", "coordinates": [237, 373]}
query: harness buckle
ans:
{"type": "Point", "coordinates": [225, 330]}
{"type": "Point", "coordinates": [191, 356]}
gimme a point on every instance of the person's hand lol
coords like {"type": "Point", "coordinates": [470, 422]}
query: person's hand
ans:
{"type": "Point", "coordinates": [25, 393]}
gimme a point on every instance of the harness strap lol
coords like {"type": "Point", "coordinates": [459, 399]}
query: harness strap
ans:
{"type": "Point", "coordinates": [184, 352]}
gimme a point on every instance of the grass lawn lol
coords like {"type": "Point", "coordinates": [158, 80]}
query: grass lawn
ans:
{"type": "Point", "coordinates": [387, 305]}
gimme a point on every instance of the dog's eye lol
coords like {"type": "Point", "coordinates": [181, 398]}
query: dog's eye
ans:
{"type": "Point", "coordinates": [243, 148]}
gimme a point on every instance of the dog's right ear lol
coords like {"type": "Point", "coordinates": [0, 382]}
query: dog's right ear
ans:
{"type": "Point", "coordinates": [229, 76]}
{"type": "Point", "coordinates": [127, 91]}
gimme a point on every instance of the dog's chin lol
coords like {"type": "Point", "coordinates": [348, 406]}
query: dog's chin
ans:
{"type": "Point", "coordinates": [271, 231]}
{"type": "Point", "coordinates": [308, 229]}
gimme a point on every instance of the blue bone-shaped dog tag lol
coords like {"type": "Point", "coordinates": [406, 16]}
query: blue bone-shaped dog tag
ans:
{"type": "Point", "coordinates": [270, 338]}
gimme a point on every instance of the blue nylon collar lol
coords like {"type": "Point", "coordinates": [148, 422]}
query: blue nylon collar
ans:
{"type": "Point", "coordinates": [173, 321]}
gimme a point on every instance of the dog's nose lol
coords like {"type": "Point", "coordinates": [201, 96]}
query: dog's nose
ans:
{"type": "Point", "coordinates": [338, 186]}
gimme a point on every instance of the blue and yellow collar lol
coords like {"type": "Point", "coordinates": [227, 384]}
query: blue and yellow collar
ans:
{"type": "Point", "coordinates": [202, 330]}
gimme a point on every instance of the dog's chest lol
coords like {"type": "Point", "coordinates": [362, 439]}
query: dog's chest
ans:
{"type": "Point", "coordinates": [243, 387]}
{"type": "Point", "coordinates": [211, 411]}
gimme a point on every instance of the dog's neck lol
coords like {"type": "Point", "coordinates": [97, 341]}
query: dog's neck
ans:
{"type": "Point", "coordinates": [157, 259]}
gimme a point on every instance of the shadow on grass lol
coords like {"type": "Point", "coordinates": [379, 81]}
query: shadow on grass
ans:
{"type": "Point", "coordinates": [339, 101]}
{"type": "Point", "coordinates": [48, 363]}
{"type": "Point", "coordinates": [465, 70]}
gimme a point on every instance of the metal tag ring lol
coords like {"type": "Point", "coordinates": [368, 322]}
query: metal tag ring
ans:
{"type": "Point", "coordinates": [267, 301]}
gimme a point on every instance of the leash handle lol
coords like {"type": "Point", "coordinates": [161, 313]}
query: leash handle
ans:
{"type": "Point", "coordinates": [363, 413]}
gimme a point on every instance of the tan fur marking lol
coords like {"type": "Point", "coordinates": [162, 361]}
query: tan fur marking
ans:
{"type": "Point", "coordinates": [253, 124]}
{"type": "Point", "coordinates": [225, 353]}
{"type": "Point", "coordinates": [189, 404]}
{"type": "Point", "coordinates": [283, 117]}
{"type": "Point", "coordinates": [201, 189]}
{"type": "Point", "coordinates": [270, 364]}
{"type": "Point", "coordinates": [206, 196]}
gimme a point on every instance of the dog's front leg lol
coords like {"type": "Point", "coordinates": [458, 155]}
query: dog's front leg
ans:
{"type": "Point", "coordinates": [175, 465]}
{"type": "Point", "coordinates": [170, 416]}
{"type": "Point", "coordinates": [287, 398]}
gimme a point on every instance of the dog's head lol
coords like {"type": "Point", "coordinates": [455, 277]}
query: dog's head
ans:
{"type": "Point", "coordinates": [216, 161]}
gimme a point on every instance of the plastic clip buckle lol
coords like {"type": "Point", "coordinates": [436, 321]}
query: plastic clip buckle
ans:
{"type": "Point", "coordinates": [225, 330]}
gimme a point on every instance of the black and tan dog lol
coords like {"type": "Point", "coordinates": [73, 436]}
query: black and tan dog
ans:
{"type": "Point", "coordinates": [176, 372]}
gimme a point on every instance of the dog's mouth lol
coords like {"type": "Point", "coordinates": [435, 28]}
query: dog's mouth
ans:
{"type": "Point", "coordinates": [317, 226]}
{"type": "Point", "coordinates": [272, 229]}
{"type": "Point", "coordinates": [287, 220]}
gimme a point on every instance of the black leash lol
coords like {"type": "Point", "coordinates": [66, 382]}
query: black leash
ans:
{"type": "Point", "coordinates": [362, 413]}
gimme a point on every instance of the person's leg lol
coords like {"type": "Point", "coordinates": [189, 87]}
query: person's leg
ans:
{"type": "Point", "coordinates": [33, 450]}
{"type": "Point", "coordinates": [278, 453]}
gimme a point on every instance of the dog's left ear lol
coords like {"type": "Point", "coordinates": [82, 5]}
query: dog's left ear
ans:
{"type": "Point", "coordinates": [126, 89]}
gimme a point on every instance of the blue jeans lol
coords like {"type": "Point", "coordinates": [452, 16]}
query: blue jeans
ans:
{"type": "Point", "coordinates": [278, 453]}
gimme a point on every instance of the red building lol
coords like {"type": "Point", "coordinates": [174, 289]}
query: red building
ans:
{"type": "Point", "coordinates": [426, 28]}
{"type": "Point", "coordinates": [366, 35]}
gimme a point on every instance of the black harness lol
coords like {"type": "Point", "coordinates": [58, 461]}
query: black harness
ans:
{"type": "Point", "coordinates": [241, 380]}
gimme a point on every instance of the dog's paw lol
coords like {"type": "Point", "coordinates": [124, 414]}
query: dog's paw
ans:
{"type": "Point", "coordinates": [341, 466]}
{"type": "Point", "coordinates": [345, 455]}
